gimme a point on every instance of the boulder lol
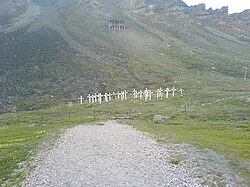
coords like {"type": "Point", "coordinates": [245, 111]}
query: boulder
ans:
{"type": "Point", "coordinates": [32, 125]}
{"type": "Point", "coordinates": [159, 118]}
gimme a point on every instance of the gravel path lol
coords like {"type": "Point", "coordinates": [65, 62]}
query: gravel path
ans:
{"type": "Point", "coordinates": [118, 155]}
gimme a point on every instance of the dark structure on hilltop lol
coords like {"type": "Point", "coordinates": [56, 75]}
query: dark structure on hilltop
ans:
{"type": "Point", "coordinates": [116, 24]}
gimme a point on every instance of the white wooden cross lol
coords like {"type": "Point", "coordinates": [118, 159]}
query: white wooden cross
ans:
{"type": "Point", "coordinates": [110, 96]}
{"type": "Point", "coordinates": [122, 95]}
{"type": "Point", "coordinates": [89, 97]}
{"type": "Point", "coordinates": [81, 99]}
{"type": "Point", "coordinates": [95, 98]}
{"type": "Point", "coordinates": [173, 91]}
{"type": "Point", "coordinates": [106, 97]}
{"type": "Point", "coordinates": [140, 94]}
{"type": "Point", "coordinates": [113, 94]}
{"type": "Point", "coordinates": [100, 98]}
{"type": "Point", "coordinates": [167, 91]}
{"type": "Point", "coordinates": [160, 93]}
{"type": "Point", "coordinates": [135, 94]}
{"type": "Point", "coordinates": [146, 94]}
{"type": "Point", "coordinates": [125, 94]}
{"type": "Point", "coordinates": [181, 92]}
{"type": "Point", "coordinates": [157, 93]}
{"type": "Point", "coordinates": [150, 95]}
{"type": "Point", "coordinates": [92, 99]}
{"type": "Point", "coordinates": [118, 95]}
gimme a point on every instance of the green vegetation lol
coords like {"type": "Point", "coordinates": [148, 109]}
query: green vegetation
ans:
{"type": "Point", "coordinates": [218, 120]}
{"type": "Point", "coordinates": [175, 161]}
{"type": "Point", "coordinates": [22, 133]}
{"type": "Point", "coordinates": [222, 125]}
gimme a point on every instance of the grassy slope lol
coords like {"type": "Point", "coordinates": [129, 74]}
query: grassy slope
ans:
{"type": "Point", "coordinates": [206, 126]}
{"type": "Point", "coordinates": [21, 134]}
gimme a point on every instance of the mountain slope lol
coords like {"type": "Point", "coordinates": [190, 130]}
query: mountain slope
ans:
{"type": "Point", "coordinates": [65, 49]}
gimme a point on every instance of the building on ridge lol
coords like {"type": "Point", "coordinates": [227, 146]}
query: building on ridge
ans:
{"type": "Point", "coordinates": [116, 24]}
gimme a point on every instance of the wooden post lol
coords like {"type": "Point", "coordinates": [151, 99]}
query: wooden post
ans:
{"type": "Point", "coordinates": [189, 106]}
{"type": "Point", "coordinates": [185, 107]}
{"type": "Point", "coordinates": [41, 116]}
{"type": "Point", "coordinates": [245, 76]}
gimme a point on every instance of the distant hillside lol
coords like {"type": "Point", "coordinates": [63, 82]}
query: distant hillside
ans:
{"type": "Point", "coordinates": [65, 49]}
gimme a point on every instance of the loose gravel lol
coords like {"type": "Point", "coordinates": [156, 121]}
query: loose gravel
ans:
{"type": "Point", "coordinates": [113, 154]}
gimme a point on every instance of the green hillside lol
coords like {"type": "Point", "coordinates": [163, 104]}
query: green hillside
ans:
{"type": "Point", "coordinates": [68, 50]}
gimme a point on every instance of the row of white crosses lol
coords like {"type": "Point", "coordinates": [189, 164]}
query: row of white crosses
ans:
{"type": "Point", "coordinates": [95, 98]}
{"type": "Point", "coordinates": [122, 95]}
{"type": "Point", "coordinates": [147, 94]}
{"type": "Point", "coordinates": [159, 93]}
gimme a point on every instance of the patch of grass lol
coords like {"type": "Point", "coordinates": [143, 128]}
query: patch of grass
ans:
{"type": "Point", "coordinates": [233, 143]}
{"type": "Point", "coordinates": [100, 124]}
{"type": "Point", "coordinates": [19, 139]}
{"type": "Point", "coordinates": [175, 161]}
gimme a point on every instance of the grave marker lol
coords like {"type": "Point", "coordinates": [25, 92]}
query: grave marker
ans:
{"type": "Point", "coordinates": [89, 97]}
{"type": "Point", "coordinates": [122, 95]}
{"type": "Point", "coordinates": [110, 96]}
{"type": "Point", "coordinates": [146, 94]}
{"type": "Point", "coordinates": [118, 95]}
{"type": "Point", "coordinates": [167, 91]}
{"type": "Point", "coordinates": [159, 93]}
{"type": "Point", "coordinates": [113, 95]}
{"type": "Point", "coordinates": [181, 92]}
{"type": "Point", "coordinates": [100, 98]}
{"type": "Point", "coordinates": [81, 99]}
{"type": "Point", "coordinates": [135, 94]}
{"type": "Point", "coordinates": [140, 94]}
{"type": "Point", "coordinates": [95, 98]}
{"type": "Point", "coordinates": [173, 91]}
{"type": "Point", "coordinates": [125, 94]}
{"type": "Point", "coordinates": [92, 99]}
{"type": "Point", "coordinates": [106, 97]}
{"type": "Point", "coordinates": [150, 95]}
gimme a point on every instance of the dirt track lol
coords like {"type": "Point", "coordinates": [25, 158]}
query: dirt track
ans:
{"type": "Point", "coordinates": [118, 155]}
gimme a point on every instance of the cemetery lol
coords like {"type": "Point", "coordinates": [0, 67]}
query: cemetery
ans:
{"type": "Point", "coordinates": [145, 95]}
